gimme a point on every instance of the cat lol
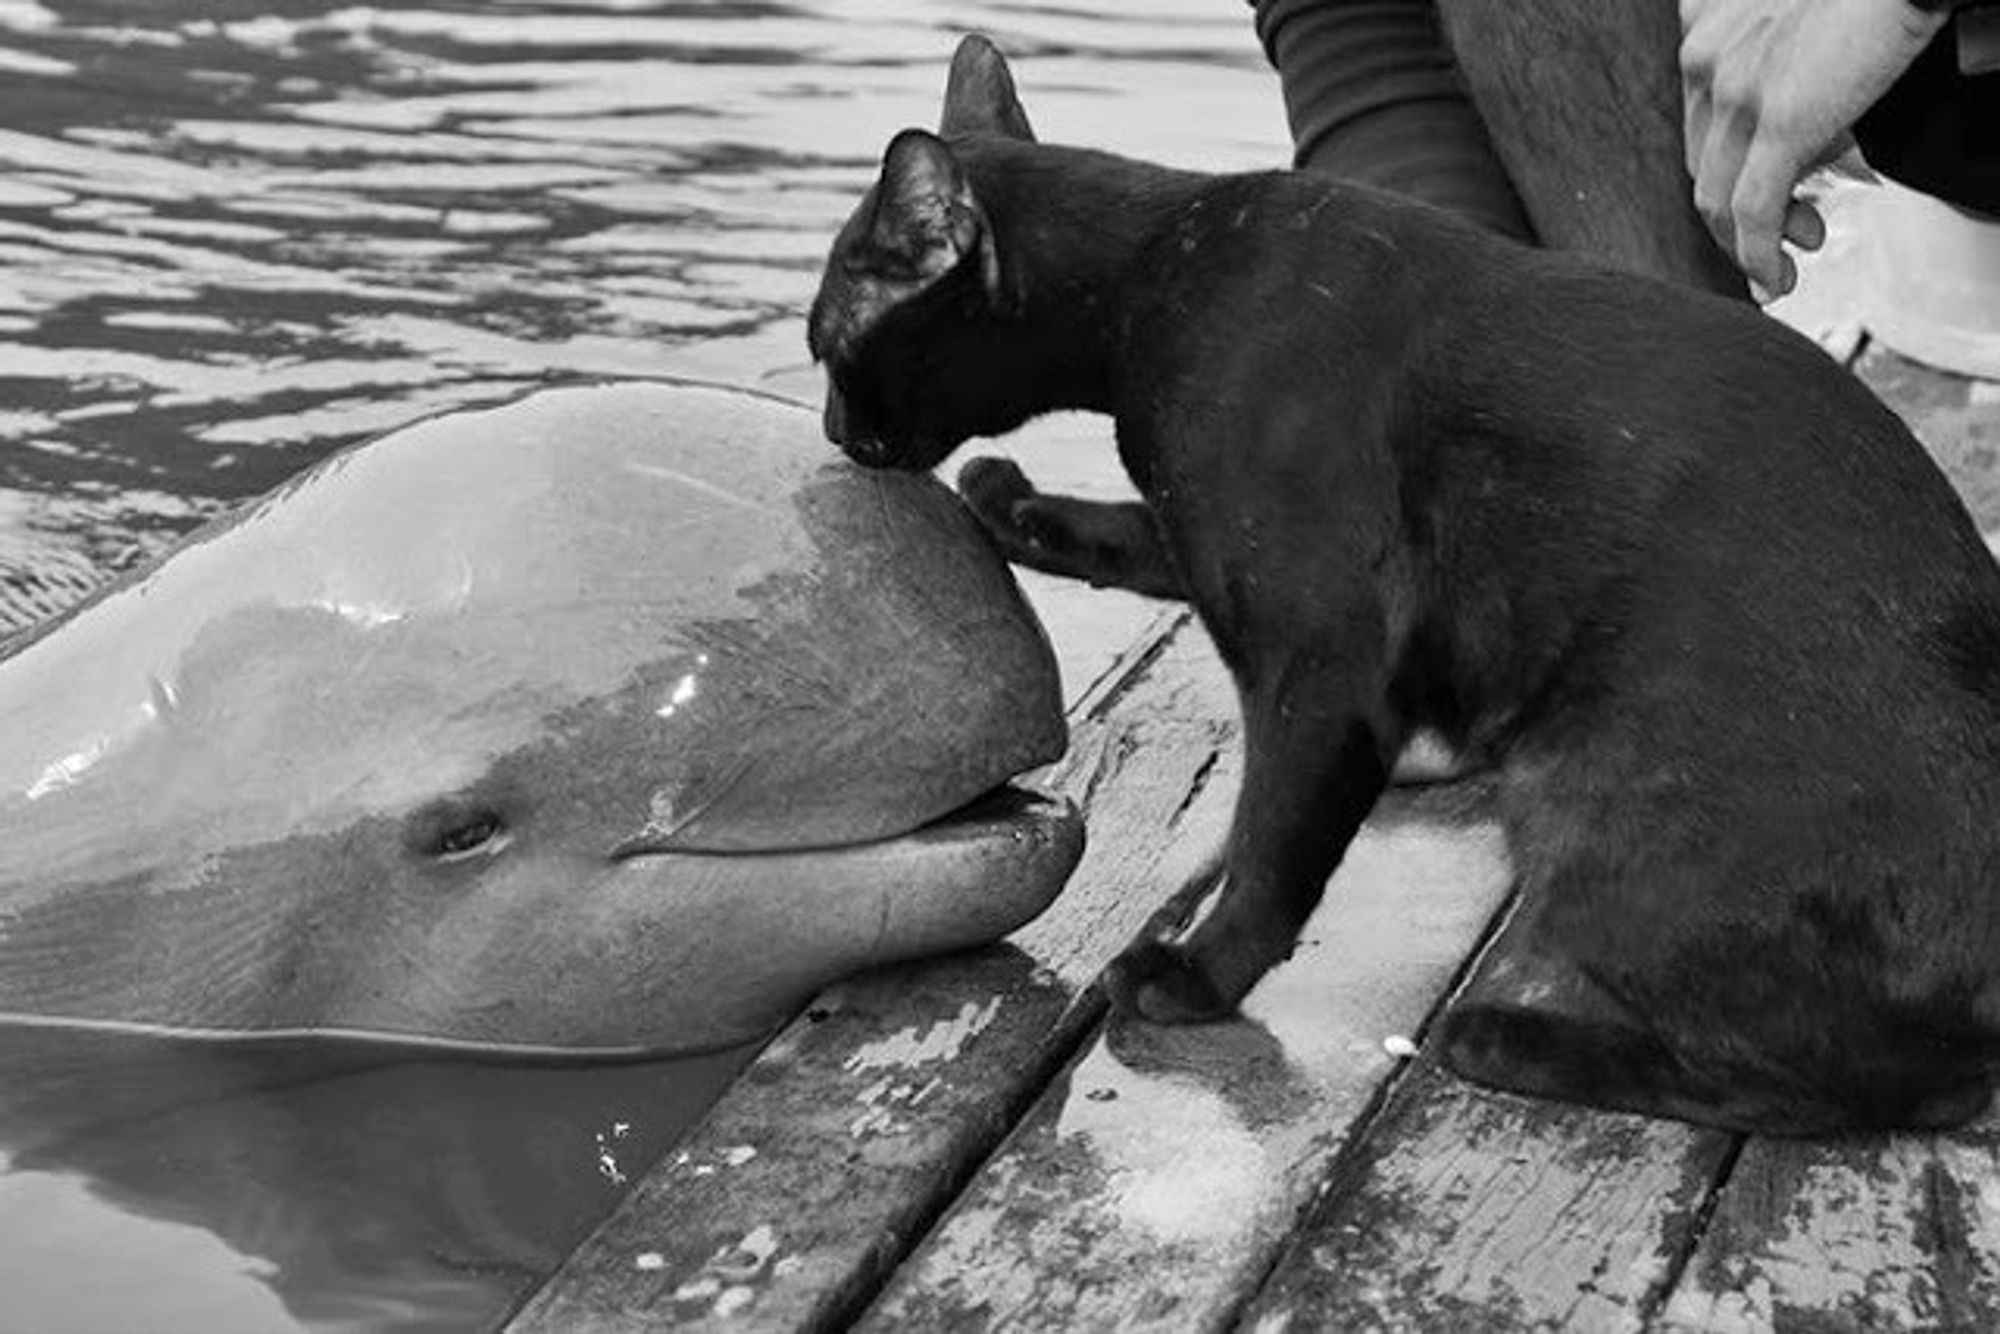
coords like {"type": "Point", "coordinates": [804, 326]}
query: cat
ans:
{"type": "Point", "coordinates": [1721, 630]}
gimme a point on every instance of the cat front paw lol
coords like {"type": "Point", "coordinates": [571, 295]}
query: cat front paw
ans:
{"type": "Point", "coordinates": [991, 484]}
{"type": "Point", "coordinates": [1002, 498]}
{"type": "Point", "coordinates": [1165, 984]}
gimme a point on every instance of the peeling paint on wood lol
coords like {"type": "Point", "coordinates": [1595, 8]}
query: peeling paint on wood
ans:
{"type": "Point", "coordinates": [1468, 1209]}
{"type": "Point", "coordinates": [1891, 1233]}
{"type": "Point", "coordinates": [905, 1063]}
{"type": "Point", "coordinates": [797, 1182]}
{"type": "Point", "coordinates": [1152, 1184]}
{"type": "Point", "coordinates": [844, 1139]}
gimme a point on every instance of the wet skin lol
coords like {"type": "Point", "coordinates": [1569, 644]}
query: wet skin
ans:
{"type": "Point", "coordinates": [615, 718]}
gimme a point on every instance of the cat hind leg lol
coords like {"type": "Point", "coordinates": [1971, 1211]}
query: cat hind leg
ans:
{"type": "Point", "coordinates": [1533, 1021]}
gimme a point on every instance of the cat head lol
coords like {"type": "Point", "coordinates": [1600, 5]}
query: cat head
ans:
{"type": "Point", "coordinates": [914, 286]}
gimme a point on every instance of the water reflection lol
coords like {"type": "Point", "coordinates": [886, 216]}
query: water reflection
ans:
{"type": "Point", "coordinates": [235, 234]}
{"type": "Point", "coordinates": [267, 1185]}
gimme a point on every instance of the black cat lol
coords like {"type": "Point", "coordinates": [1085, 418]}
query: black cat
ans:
{"type": "Point", "coordinates": [1723, 631]}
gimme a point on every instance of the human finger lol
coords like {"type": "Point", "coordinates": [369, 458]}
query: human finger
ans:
{"type": "Point", "coordinates": [1697, 107]}
{"type": "Point", "coordinates": [1805, 227]}
{"type": "Point", "coordinates": [1758, 205]}
{"type": "Point", "coordinates": [1716, 169]}
{"type": "Point", "coordinates": [1842, 155]}
{"type": "Point", "coordinates": [1694, 129]}
{"type": "Point", "coordinates": [1788, 278]}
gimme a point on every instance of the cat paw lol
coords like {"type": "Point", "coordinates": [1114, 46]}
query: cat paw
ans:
{"type": "Point", "coordinates": [1163, 983]}
{"type": "Point", "coordinates": [991, 485]}
{"type": "Point", "coordinates": [1000, 495]}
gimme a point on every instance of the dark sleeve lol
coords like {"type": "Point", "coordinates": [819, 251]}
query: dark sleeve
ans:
{"type": "Point", "coordinates": [1938, 131]}
{"type": "Point", "coordinates": [1372, 95]}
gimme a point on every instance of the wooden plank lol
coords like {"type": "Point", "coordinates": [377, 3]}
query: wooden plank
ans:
{"type": "Point", "coordinates": [1152, 1185]}
{"type": "Point", "coordinates": [844, 1139]}
{"type": "Point", "coordinates": [1469, 1209]}
{"type": "Point", "coordinates": [1880, 1233]}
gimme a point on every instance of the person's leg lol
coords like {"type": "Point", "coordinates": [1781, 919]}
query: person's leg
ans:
{"type": "Point", "coordinates": [1372, 96]}
{"type": "Point", "coordinates": [1582, 100]}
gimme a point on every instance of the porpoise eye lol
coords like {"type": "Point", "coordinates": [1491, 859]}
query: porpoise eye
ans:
{"type": "Point", "coordinates": [450, 830]}
{"type": "Point", "coordinates": [471, 836]}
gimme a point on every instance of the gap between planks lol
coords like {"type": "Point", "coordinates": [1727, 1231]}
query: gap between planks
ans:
{"type": "Point", "coordinates": [1153, 1183]}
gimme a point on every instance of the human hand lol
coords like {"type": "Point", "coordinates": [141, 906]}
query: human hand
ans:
{"type": "Point", "coordinates": [1770, 90]}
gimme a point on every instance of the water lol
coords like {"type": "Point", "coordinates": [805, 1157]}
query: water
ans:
{"type": "Point", "coordinates": [162, 1185]}
{"type": "Point", "coordinates": [232, 240]}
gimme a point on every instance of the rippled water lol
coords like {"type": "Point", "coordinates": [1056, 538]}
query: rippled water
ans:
{"type": "Point", "coordinates": [231, 240]}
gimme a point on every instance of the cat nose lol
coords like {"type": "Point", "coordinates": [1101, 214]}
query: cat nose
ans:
{"type": "Point", "coordinates": [867, 451]}
{"type": "Point", "coordinates": [835, 421]}
{"type": "Point", "coordinates": [860, 444]}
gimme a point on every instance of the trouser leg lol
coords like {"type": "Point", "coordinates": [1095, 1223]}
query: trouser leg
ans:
{"type": "Point", "coordinates": [1557, 120]}
{"type": "Point", "coordinates": [1582, 100]}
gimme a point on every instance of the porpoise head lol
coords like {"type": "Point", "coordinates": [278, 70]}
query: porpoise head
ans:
{"type": "Point", "coordinates": [616, 718]}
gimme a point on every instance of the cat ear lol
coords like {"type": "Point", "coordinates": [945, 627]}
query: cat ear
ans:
{"type": "Point", "coordinates": [979, 95]}
{"type": "Point", "coordinates": [926, 214]}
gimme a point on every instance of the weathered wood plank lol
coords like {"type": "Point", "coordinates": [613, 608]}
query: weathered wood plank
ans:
{"type": "Point", "coordinates": [843, 1140]}
{"type": "Point", "coordinates": [1892, 1233]}
{"type": "Point", "coordinates": [1152, 1185]}
{"type": "Point", "coordinates": [1467, 1209]}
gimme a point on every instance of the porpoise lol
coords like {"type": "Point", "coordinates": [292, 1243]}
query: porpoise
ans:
{"type": "Point", "coordinates": [617, 718]}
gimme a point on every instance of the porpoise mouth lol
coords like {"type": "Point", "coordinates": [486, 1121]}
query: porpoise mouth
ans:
{"type": "Point", "coordinates": [982, 777]}
{"type": "Point", "coordinates": [998, 811]}
{"type": "Point", "coordinates": [1003, 812]}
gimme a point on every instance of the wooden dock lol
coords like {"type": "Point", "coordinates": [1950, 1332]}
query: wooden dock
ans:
{"type": "Point", "coordinates": [968, 1144]}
